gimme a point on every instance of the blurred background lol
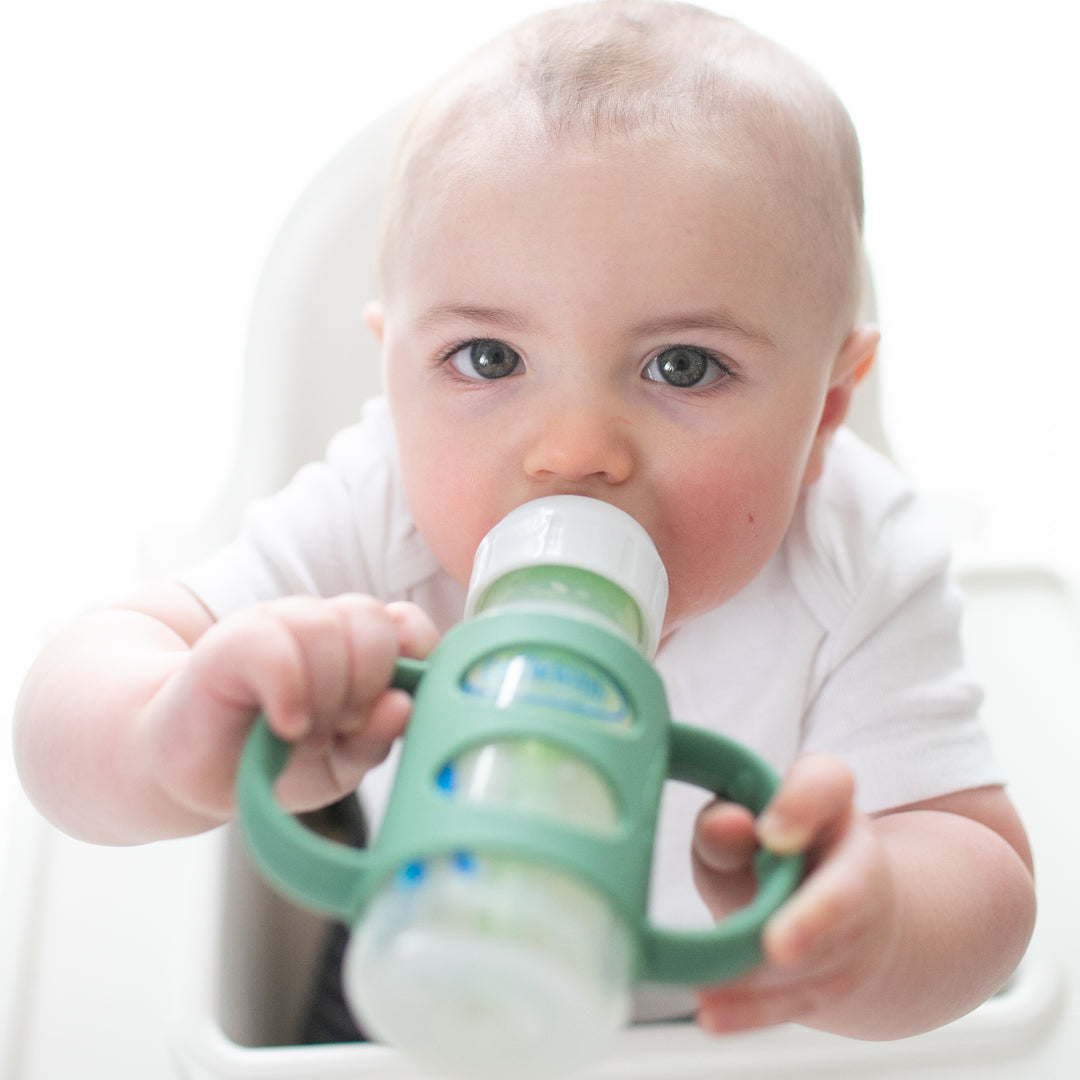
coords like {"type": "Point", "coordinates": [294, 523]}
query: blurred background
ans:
{"type": "Point", "coordinates": [151, 151]}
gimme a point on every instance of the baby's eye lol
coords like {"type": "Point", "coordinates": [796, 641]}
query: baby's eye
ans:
{"type": "Point", "coordinates": [684, 366]}
{"type": "Point", "coordinates": [485, 359]}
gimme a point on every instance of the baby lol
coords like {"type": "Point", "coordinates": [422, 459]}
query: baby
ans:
{"type": "Point", "coordinates": [620, 258]}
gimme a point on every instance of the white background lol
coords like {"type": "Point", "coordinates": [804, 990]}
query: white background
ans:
{"type": "Point", "coordinates": [150, 150]}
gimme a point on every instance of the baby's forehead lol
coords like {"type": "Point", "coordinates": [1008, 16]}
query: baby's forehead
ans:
{"type": "Point", "coordinates": [692, 84]}
{"type": "Point", "coordinates": [758, 147]}
{"type": "Point", "coordinates": [678, 224]}
{"type": "Point", "coordinates": [760, 156]}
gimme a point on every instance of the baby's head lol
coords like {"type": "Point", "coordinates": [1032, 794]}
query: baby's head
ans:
{"type": "Point", "coordinates": [667, 74]}
{"type": "Point", "coordinates": [621, 258]}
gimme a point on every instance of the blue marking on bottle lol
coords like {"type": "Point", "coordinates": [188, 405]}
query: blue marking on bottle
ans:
{"type": "Point", "coordinates": [566, 685]}
{"type": "Point", "coordinates": [464, 862]}
{"type": "Point", "coordinates": [446, 781]}
{"type": "Point", "coordinates": [410, 875]}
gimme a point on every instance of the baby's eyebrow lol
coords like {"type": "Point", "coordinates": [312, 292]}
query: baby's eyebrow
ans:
{"type": "Point", "coordinates": [505, 319]}
{"type": "Point", "coordinates": [718, 319]}
{"type": "Point", "coordinates": [492, 316]}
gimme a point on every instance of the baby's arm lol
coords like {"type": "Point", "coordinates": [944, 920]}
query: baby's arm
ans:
{"type": "Point", "coordinates": [131, 722]}
{"type": "Point", "coordinates": [904, 922]}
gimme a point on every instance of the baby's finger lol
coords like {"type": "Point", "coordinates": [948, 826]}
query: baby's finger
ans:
{"type": "Point", "coordinates": [723, 850]}
{"type": "Point", "coordinates": [832, 915]}
{"type": "Point", "coordinates": [417, 634]}
{"type": "Point", "coordinates": [253, 662]}
{"type": "Point", "coordinates": [322, 774]}
{"type": "Point", "coordinates": [371, 637]}
{"type": "Point", "coordinates": [321, 640]}
{"type": "Point", "coordinates": [724, 838]}
{"type": "Point", "coordinates": [745, 1006]}
{"type": "Point", "coordinates": [766, 997]}
{"type": "Point", "coordinates": [386, 722]}
{"type": "Point", "coordinates": [816, 794]}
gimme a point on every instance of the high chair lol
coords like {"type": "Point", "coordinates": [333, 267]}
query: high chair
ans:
{"type": "Point", "coordinates": [310, 365]}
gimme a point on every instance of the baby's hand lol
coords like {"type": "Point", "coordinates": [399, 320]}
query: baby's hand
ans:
{"type": "Point", "coordinates": [833, 934]}
{"type": "Point", "coordinates": [319, 670]}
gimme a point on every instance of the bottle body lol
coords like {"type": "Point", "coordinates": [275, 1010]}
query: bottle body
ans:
{"type": "Point", "coordinates": [471, 961]}
{"type": "Point", "coordinates": [476, 963]}
{"type": "Point", "coordinates": [500, 911]}
{"type": "Point", "coordinates": [480, 963]}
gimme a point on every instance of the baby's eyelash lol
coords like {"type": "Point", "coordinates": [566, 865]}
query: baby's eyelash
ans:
{"type": "Point", "coordinates": [690, 368]}
{"type": "Point", "coordinates": [448, 350]}
{"type": "Point", "coordinates": [482, 359]}
{"type": "Point", "coordinates": [678, 362]}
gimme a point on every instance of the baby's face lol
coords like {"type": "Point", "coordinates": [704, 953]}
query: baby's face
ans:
{"type": "Point", "coordinates": [633, 323]}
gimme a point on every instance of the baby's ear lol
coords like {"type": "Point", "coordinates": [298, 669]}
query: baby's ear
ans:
{"type": "Point", "coordinates": [858, 351]}
{"type": "Point", "coordinates": [373, 319]}
{"type": "Point", "coordinates": [850, 367]}
{"type": "Point", "coordinates": [852, 363]}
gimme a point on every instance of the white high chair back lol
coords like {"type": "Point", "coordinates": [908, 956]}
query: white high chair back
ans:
{"type": "Point", "coordinates": [310, 361]}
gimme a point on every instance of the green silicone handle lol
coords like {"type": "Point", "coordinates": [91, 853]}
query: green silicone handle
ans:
{"type": "Point", "coordinates": [710, 761]}
{"type": "Point", "coordinates": [336, 879]}
{"type": "Point", "coordinates": [315, 872]}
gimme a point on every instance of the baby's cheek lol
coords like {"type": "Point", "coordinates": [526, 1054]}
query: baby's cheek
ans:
{"type": "Point", "coordinates": [452, 525]}
{"type": "Point", "coordinates": [717, 547]}
{"type": "Point", "coordinates": [435, 490]}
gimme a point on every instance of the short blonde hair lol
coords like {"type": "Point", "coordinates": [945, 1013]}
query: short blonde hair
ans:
{"type": "Point", "coordinates": [646, 69]}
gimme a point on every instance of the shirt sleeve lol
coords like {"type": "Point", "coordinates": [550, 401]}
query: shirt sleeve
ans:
{"type": "Point", "coordinates": [891, 693]}
{"type": "Point", "coordinates": [339, 526]}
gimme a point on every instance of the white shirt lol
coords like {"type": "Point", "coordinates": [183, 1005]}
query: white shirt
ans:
{"type": "Point", "coordinates": [847, 641]}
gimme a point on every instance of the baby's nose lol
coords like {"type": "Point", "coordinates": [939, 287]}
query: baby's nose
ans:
{"type": "Point", "coordinates": [578, 441]}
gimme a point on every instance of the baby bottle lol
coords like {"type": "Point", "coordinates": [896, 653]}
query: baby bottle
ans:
{"type": "Point", "coordinates": [476, 961]}
{"type": "Point", "coordinates": [500, 912]}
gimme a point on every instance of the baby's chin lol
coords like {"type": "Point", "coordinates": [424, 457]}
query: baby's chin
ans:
{"type": "Point", "coordinates": [680, 612]}
{"type": "Point", "coordinates": [677, 620]}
